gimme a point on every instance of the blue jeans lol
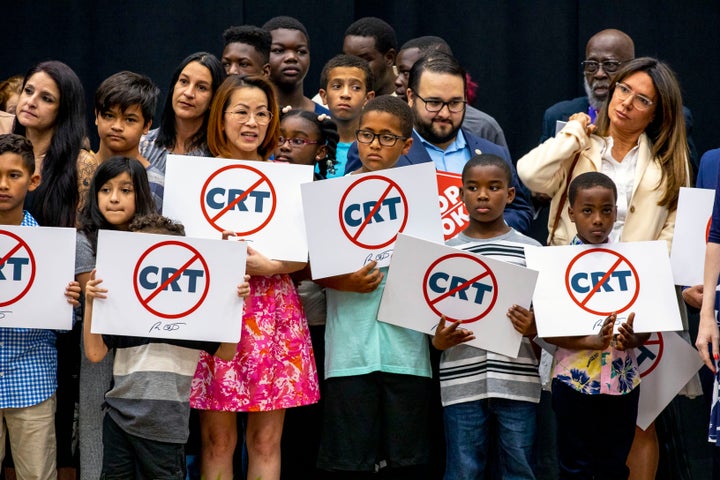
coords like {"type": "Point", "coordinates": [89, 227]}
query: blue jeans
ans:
{"type": "Point", "coordinates": [466, 433]}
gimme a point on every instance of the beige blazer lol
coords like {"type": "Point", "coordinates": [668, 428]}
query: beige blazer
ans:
{"type": "Point", "coordinates": [545, 170]}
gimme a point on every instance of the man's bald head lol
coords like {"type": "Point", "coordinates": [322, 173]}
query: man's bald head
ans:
{"type": "Point", "coordinates": [610, 47]}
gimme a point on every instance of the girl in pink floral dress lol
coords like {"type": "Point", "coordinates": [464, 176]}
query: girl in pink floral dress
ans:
{"type": "Point", "coordinates": [274, 367]}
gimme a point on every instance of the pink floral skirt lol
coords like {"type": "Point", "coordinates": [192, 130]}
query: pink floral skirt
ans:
{"type": "Point", "coordinates": [274, 366]}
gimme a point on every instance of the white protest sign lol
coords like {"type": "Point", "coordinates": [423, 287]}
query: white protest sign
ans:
{"type": "Point", "coordinates": [36, 264]}
{"type": "Point", "coordinates": [259, 201]}
{"type": "Point", "coordinates": [453, 213]}
{"type": "Point", "coordinates": [167, 286]}
{"type": "Point", "coordinates": [580, 285]}
{"type": "Point", "coordinates": [355, 219]}
{"type": "Point", "coordinates": [427, 280]}
{"type": "Point", "coordinates": [692, 227]}
{"type": "Point", "coordinates": [666, 363]}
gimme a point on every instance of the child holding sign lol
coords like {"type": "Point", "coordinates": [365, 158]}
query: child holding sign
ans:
{"type": "Point", "coordinates": [477, 386]}
{"type": "Point", "coordinates": [596, 373]}
{"type": "Point", "coordinates": [377, 389]}
{"type": "Point", "coordinates": [148, 407]}
{"type": "Point", "coordinates": [118, 192]}
{"type": "Point", "coordinates": [28, 357]}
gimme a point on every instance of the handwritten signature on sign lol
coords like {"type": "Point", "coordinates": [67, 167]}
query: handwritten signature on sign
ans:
{"type": "Point", "coordinates": [168, 327]}
{"type": "Point", "coordinates": [378, 256]}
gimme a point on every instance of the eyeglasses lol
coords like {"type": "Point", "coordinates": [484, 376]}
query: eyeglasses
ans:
{"type": "Point", "coordinates": [641, 102]}
{"type": "Point", "coordinates": [434, 106]}
{"type": "Point", "coordinates": [609, 66]}
{"type": "Point", "coordinates": [385, 139]}
{"type": "Point", "coordinates": [262, 117]}
{"type": "Point", "coordinates": [295, 141]}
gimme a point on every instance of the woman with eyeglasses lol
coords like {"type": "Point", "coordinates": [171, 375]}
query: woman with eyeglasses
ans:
{"type": "Point", "coordinates": [640, 143]}
{"type": "Point", "coordinates": [274, 367]}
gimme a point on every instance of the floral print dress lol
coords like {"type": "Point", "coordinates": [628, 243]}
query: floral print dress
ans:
{"type": "Point", "coordinates": [597, 372]}
{"type": "Point", "coordinates": [274, 367]}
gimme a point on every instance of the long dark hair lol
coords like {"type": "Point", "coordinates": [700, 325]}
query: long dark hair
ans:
{"type": "Point", "coordinates": [91, 218]}
{"type": "Point", "coordinates": [54, 203]}
{"type": "Point", "coordinates": [666, 131]}
{"type": "Point", "coordinates": [166, 133]}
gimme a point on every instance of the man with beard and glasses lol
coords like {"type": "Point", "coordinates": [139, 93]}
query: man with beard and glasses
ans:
{"type": "Point", "coordinates": [436, 94]}
{"type": "Point", "coordinates": [605, 52]}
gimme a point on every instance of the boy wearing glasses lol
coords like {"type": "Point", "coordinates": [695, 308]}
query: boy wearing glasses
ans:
{"type": "Point", "coordinates": [377, 393]}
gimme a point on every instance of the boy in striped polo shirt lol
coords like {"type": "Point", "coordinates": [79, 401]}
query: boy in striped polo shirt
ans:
{"type": "Point", "coordinates": [479, 388]}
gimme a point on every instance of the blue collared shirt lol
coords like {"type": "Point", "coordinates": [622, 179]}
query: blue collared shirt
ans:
{"type": "Point", "coordinates": [28, 360]}
{"type": "Point", "coordinates": [453, 158]}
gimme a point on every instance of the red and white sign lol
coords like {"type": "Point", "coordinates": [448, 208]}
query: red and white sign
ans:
{"type": "Point", "coordinates": [692, 227]}
{"type": "Point", "coordinates": [453, 213]}
{"type": "Point", "coordinates": [244, 209]}
{"type": "Point", "coordinates": [259, 201]}
{"type": "Point", "coordinates": [470, 297]}
{"type": "Point", "coordinates": [666, 363]}
{"type": "Point", "coordinates": [36, 264]}
{"type": "Point", "coordinates": [580, 285]}
{"type": "Point", "coordinates": [355, 219]}
{"type": "Point", "coordinates": [427, 280]}
{"type": "Point", "coordinates": [602, 281]}
{"type": "Point", "coordinates": [169, 287]}
{"type": "Point", "coordinates": [373, 210]}
{"type": "Point", "coordinates": [157, 279]}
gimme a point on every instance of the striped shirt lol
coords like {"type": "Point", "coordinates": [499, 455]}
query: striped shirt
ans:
{"type": "Point", "coordinates": [150, 396]}
{"type": "Point", "coordinates": [469, 373]}
{"type": "Point", "coordinates": [28, 360]}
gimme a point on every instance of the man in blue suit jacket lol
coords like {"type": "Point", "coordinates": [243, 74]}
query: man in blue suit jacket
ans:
{"type": "Point", "coordinates": [436, 94]}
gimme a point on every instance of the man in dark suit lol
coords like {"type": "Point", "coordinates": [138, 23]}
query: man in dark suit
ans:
{"type": "Point", "coordinates": [436, 94]}
{"type": "Point", "coordinates": [604, 53]}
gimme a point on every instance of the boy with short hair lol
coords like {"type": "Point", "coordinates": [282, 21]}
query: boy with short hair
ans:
{"type": "Point", "coordinates": [124, 107]}
{"type": "Point", "coordinates": [346, 85]}
{"type": "Point", "coordinates": [596, 374]}
{"type": "Point", "coordinates": [246, 51]}
{"type": "Point", "coordinates": [148, 407]}
{"type": "Point", "coordinates": [377, 375]}
{"type": "Point", "coordinates": [28, 357]}
{"type": "Point", "coordinates": [480, 387]}
{"type": "Point", "coordinates": [289, 62]}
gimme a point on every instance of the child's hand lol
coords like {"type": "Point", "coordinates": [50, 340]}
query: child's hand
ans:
{"type": "Point", "coordinates": [602, 340]}
{"type": "Point", "coordinates": [92, 290]}
{"type": "Point", "coordinates": [449, 336]}
{"type": "Point", "coordinates": [243, 289]}
{"type": "Point", "coordinates": [365, 280]}
{"type": "Point", "coordinates": [627, 338]}
{"type": "Point", "coordinates": [523, 320]}
{"type": "Point", "coordinates": [72, 293]}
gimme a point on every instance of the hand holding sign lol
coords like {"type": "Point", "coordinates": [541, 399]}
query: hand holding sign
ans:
{"type": "Point", "coordinates": [523, 320]}
{"type": "Point", "coordinates": [627, 338]}
{"type": "Point", "coordinates": [72, 293]}
{"type": "Point", "coordinates": [449, 336]}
